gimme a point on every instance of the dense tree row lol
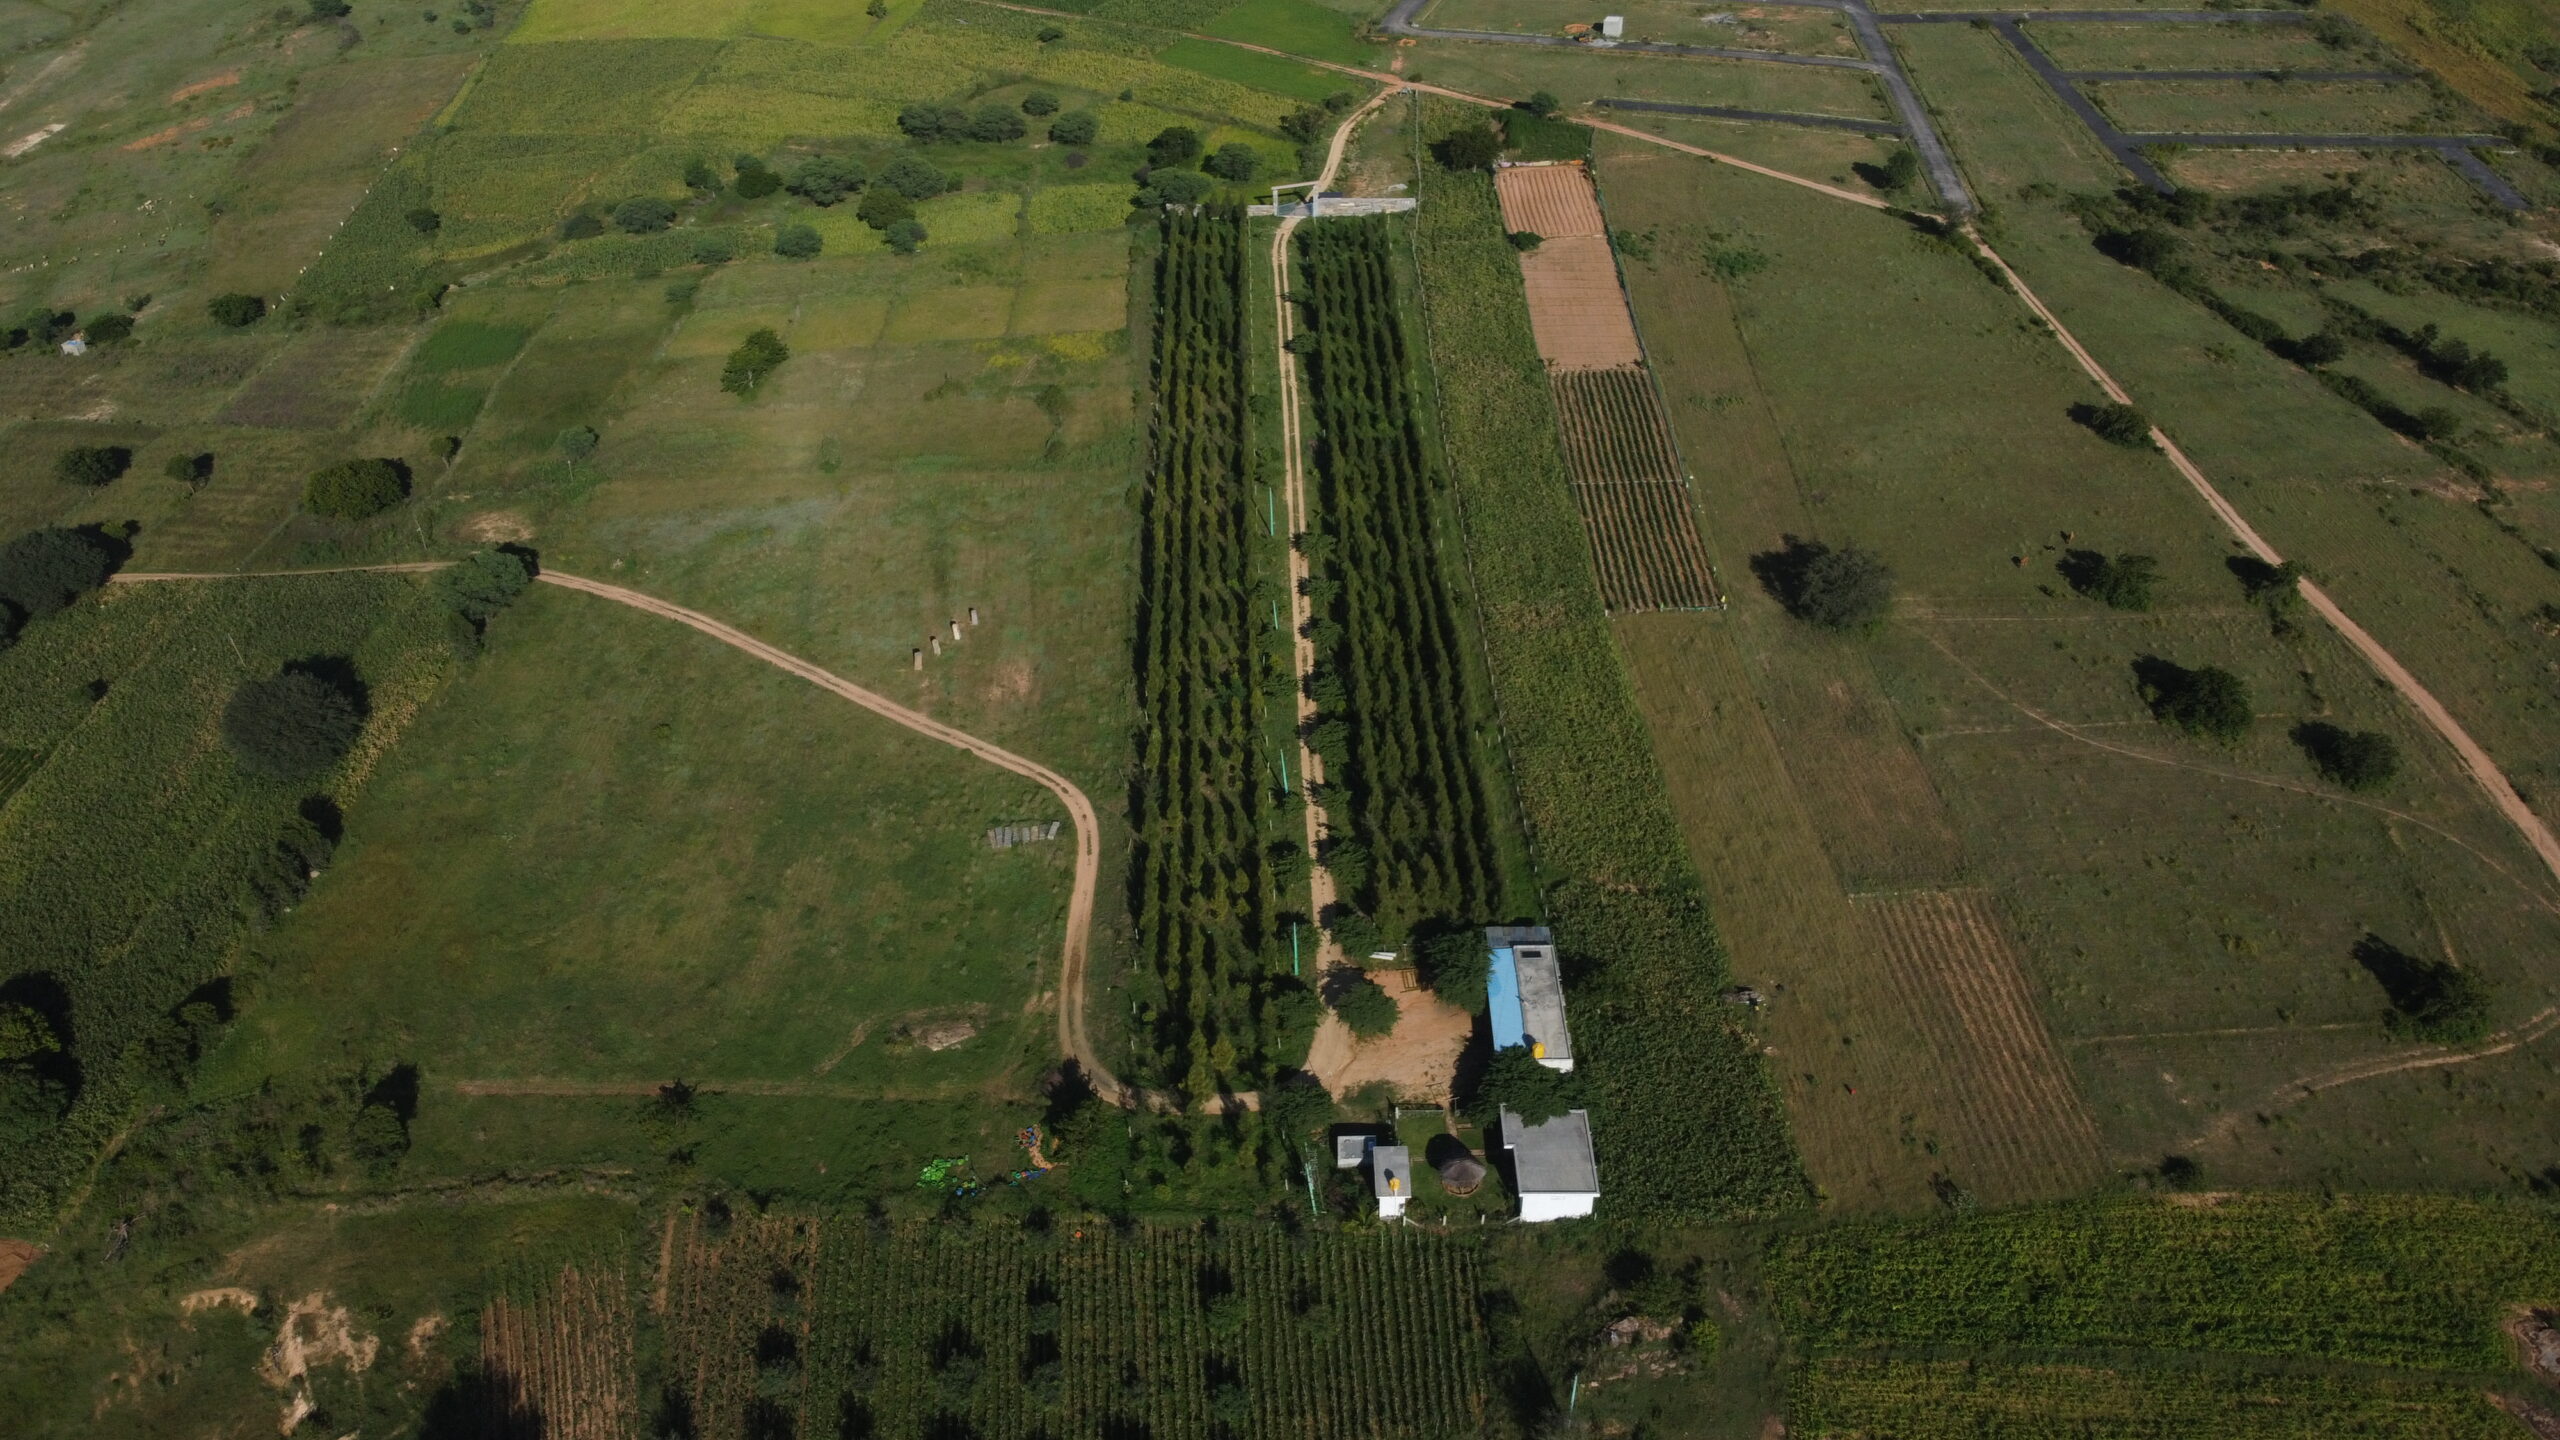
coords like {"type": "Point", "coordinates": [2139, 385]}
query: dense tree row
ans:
{"type": "Point", "coordinates": [1388, 665]}
{"type": "Point", "coordinates": [1200, 883]}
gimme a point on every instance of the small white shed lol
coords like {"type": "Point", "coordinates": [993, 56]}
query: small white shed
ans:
{"type": "Point", "coordinates": [1391, 1178]}
{"type": "Point", "coordinates": [1552, 1163]}
{"type": "Point", "coordinates": [1613, 27]}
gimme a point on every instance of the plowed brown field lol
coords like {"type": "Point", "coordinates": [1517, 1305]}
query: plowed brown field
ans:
{"type": "Point", "coordinates": [562, 1363]}
{"type": "Point", "coordinates": [1959, 974]}
{"type": "Point", "coordinates": [1632, 492]}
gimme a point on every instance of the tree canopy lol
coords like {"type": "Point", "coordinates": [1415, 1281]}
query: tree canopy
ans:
{"type": "Point", "coordinates": [1173, 145]}
{"type": "Point", "coordinates": [356, 489]}
{"type": "Point", "coordinates": [904, 236]}
{"type": "Point", "coordinates": [885, 205]}
{"type": "Point", "coordinates": [2116, 424]}
{"type": "Point", "coordinates": [2356, 759]}
{"type": "Point", "coordinates": [798, 242]}
{"type": "Point", "coordinates": [644, 215]}
{"type": "Point", "coordinates": [1235, 161]}
{"type": "Point", "coordinates": [92, 464]}
{"type": "Point", "coordinates": [1470, 147]}
{"type": "Point", "coordinates": [291, 725]}
{"type": "Point", "coordinates": [1076, 127]}
{"type": "Point", "coordinates": [484, 582]}
{"type": "Point", "coordinates": [915, 177]}
{"type": "Point", "coordinates": [1848, 588]}
{"type": "Point", "coordinates": [824, 180]}
{"type": "Point", "coordinates": [1456, 966]}
{"type": "Point", "coordinates": [236, 310]}
{"type": "Point", "coordinates": [1517, 1081]}
{"type": "Point", "coordinates": [2207, 701]}
{"type": "Point", "coordinates": [1040, 102]}
{"type": "Point", "coordinates": [44, 571]}
{"type": "Point", "coordinates": [753, 362]}
{"type": "Point", "coordinates": [2122, 582]}
{"type": "Point", "coordinates": [1363, 1005]}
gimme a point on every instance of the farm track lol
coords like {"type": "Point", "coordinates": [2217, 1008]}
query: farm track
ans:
{"type": "Point", "coordinates": [2430, 1057]}
{"type": "Point", "coordinates": [1074, 1042]}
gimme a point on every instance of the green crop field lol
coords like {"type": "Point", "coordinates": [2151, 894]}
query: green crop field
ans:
{"type": "Point", "coordinates": [2081, 45]}
{"type": "Point", "coordinates": [1789, 30]}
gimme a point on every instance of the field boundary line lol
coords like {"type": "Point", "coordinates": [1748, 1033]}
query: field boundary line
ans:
{"type": "Point", "coordinates": [2066, 728]}
{"type": "Point", "coordinates": [2484, 771]}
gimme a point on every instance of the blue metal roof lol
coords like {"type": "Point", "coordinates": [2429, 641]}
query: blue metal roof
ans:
{"type": "Point", "coordinates": [1502, 994]}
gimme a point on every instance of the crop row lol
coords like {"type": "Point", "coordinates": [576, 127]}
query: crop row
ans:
{"type": "Point", "coordinates": [1201, 888]}
{"type": "Point", "coordinates": [2413, 1281]}
{"type": "Point", "coordinates": [1164, 1331]}
{"type": "Point", "coordinates": [1687, 1122]}
{"type": "Point", "coordinates": [1389, 663]}
{"type": "Point", "coordinates": [1632, 492]}
{"type": "Point", "coordinates": [1972, 1400]}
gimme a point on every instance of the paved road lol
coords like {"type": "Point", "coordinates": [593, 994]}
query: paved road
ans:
{"type": "Point", "coordinates": [2117, 142]}
{"type": "Point", "coordinates": [2376, 77]}
{"type": "Point", "coordinates": [1727, 112]}
{"type": "Point", "coordinates": [1881, 62]}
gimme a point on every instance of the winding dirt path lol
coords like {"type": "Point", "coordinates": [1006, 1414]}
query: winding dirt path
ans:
{"type": "Point", "coordinates": [1073, 1040]}
{"type": "Point", "coordinates": [2433, 1057]}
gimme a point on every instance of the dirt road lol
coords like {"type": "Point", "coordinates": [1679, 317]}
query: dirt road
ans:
{"type": "Point", "coordinates": [2484, 771]}
{"type": "Point", "coordinates": [1293, 454]}
{"type": "Point", "coordinates": [1075, 952]}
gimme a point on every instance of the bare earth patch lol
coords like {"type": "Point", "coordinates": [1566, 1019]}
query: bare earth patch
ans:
{"type": "Point", "coordinates": [205, 86]}
{"type": "Point", "coordinates": [495, 527]}
{"type": "Point", "coordinates": [245, 1301]}
{"type": "Point", "coordinates": [1419, 1057]}
{"type": "Point", "coordinates": [15, 1257]}
{"type": "Point", "coordinates": [315, 1333]}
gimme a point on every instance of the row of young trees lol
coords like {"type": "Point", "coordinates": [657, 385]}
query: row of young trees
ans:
{"type": "Point", "coordinates": [1201, 888]}
{"type": "Point", "coordinates": [1394, 716]}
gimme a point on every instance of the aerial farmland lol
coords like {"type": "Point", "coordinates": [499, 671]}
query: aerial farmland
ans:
{"type": "Point", "coordinates": [970, 720]}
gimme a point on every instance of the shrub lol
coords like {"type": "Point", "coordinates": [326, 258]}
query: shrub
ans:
{"type": "Point", "coordinates": [44, 571]}
{"type": "Point", "coordinates": [577, 442]}
{"type": "Point", "coordinates": [1173, 145]}
{"type": "Point", "coordinates": [2207, 701]}
{"type": "Point", "coordinates": [92, 464]}
{"type": "Point", "coordinates": [1844, 589]}
{"type": "Point", "coordinates": [996, 123]}
{"type": "Point", "coordinates": [292, 725]}
{"type": "Point", "coordinates": [356, 489]}
{"type": "Point", "coordinates": [885, 205]}
{"type": "Point", "coordinates": [1295, 1108]}
{"type": "Point", "coordinates": [2435, 1001]}
{"type": "Point", "coordinates": [190, 470]}
{"type": "Point", "coordinates": [483, 583]}
{"type": "Point", "coordinates": [1039, 102]}
{"type": "Point", "coordinates": [644, 215]}
{"type": "Point", "coordinates": [1236, 162]}
{"type": "Point", "coordinates": [915, 177]}
{"type": "Point", "coordinates": [1901, 169]}
{"type": "Point", "coordinates": [2144, 249]}
{"type": "Point", "coordinates": [108, 330]}
{"type": "Point", "coordinates": [798, 242]}
{"type": "Point", "coordinates": [700, 178]}
{"type": "Point", "coordinates": [714, 250]}
{"type": "Point", "coordinates": [755, 180]}
{"type": "Point", "coordinates": [823, 180]}
{"type": "Point", "coordinates": [581, 226]}
{"type": "Point", "coordinates": [1469, 147]}
{"type": "Point", "coordinates": [1515, 1080]}
{"type": "Point", "coordinates": [753, 362]}
{"type": "Point", "coordinates": [1076, 127]}
{"type": "Point", "coordinates": [2116, 424]}
{"type": "Point", "coordinates": [933, 124]}
{"type": "Point", "coordinates": [1175, 187]}
{"type": "Point", "coordinates": [1051, 35]}
{"type": "Point", "coordinates": [2356, 759]}
{"type": "Point", "coordinates": [904, 236]}
{"type": "Point", "coordinates": [1526, 240]}
{"type": "Point", "coordinates": [2321, 348]}
{"type": "Point", "coordinates": [1368, 1009]}
{"type": "Point", "coordinates": [236, 311]}
{"type": "Point", "coordinates": [329, 9]}
{"type": "Point", "coordinates": [2123, 582]}
{"type": "Point", "coordinates": [1542, 103]}
{"type": "Point", "coordinates": [425, 221]}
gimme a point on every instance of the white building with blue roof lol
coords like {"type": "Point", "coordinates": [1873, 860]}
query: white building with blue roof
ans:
{"type": "Point", "coordinates": [1525, 994]}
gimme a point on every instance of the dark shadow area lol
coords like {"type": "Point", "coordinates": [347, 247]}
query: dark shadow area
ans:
{"type": "Point", "coordinates": [854, 1420]}
{"type": "Point", "coordinates": [487, 1405]}
{"type": "Point", "coordinates": [339, 673]}
{"type": "Point", "coordinates": [770, 1420]}
{"type": "Point", "coordinates": [40, 992]}
{"type": "Point", "coordinates": [322, 814]}
{"type": "Point", "coordinates": [2435, 1001]}
{"type": "Point", "coordinates": [2081, 569]}
{"type": "Point", "coordinates": [2256, 576]}
{"type": "Point", "coordinates": [674, 1418]}
{"type": "Point", "coordinates": [397, 1089]}
{"type": "Point", "coordinates": [1444, 1148]}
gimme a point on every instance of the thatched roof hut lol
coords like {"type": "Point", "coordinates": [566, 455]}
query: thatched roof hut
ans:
{"type": "Point", "coordinates": [1461, 1174]}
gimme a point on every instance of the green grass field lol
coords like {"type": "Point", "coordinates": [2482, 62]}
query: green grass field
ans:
{"type": "Point", "coordinates": [1577, 78]}
{"type": "Point", "coordinates": [2086, 46]}
{"type": "Point", "coordinates": [1789, 30]}
{"type": "Point", "coordinates": [2284, 107]}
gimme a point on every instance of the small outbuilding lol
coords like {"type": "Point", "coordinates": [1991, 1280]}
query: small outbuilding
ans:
{"type": "Point", "coordinates": [1461, 1174]}
{"type": "Point", "coordinates": [1613, 27]}
{"type": "Point", "coordinates": [76, 345]}
{"type": "Point", "coordinates": [1524, 994]}
{"type": "Point", "coordinates": [1391, 1178]}
{"type": "Point", "coordinates": [1552, 1166]}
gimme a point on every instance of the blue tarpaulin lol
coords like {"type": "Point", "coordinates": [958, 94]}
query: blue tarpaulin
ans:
{"type": "Point", "coordinates": [1502, 993]}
